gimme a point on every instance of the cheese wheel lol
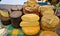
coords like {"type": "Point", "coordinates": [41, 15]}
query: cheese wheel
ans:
{"type": "Point", "coordinates": [31, 8]}
{"type": "Point", "coordinates": [48, 33]}
{"type": "Point", "coordinates": [46, 28]}
{"type": "Point", "coordinates": [50, 21]}
{"type": "Point", "coordinates": [23, 23]}
{"type": "Point", "coordinates": [30, 17]}
{"type": "Point", "coordinates": [48, 12]}
{"type": "Point", "coordinates": [46, 7]}
{"type": "Point", "coordinates": [31, 30]}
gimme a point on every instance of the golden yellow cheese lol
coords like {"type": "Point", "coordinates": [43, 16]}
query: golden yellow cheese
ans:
{"type": "Point", "coordinates": [48, 33]}
{"type": "Point", "coordinates": [46, 7]}
{"type": "Point", "coordinates": [48, 12]}
{"type": "Point", "coordinates": [23, 23]}
{"type": "Point", "coordinates": [47, 28]}
{"type": "Point", "coordinates": [3, 13]}
{"type": "Point", "coordinates": [30, 17]}
{"type": "Point", "coordinates": [50, 21]}
{"type": "Point", "coordinates": [31, 30]}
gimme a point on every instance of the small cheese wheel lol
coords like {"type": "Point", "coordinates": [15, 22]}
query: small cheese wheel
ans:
{"type": "Point", "coordinates": [31, 8]}
{"type": "Point", "coordinates": [48, 33]}
{"type": "Point", "coordinates": [46, 7]}
{"type": "Point", "coordinates": [48, 12]}
{"type": "Point", "coordinates": [50, 21]}
{"type": "Point", "coordinates": [4, 13]}
{"type": "Point", "coordinates": [23, 23]}
{"type": "Point", "coordinates": [46, 28]}
{"type": "Point", "coordinates": [30, 17]}
{"type": "Point", "coordinates": [31, 30]}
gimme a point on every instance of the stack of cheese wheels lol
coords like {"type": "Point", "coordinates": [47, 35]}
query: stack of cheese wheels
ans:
{"type": "Point", "coordinates": [49, 22]}
{"type": "Point", "coordinates": [48, 33]}
{"type": "Point", "coordinates": [31, 6]}
{"type": "Point", "coordinates": [30, 24]}
{"type": "Point", "coordinates": [46, 10]}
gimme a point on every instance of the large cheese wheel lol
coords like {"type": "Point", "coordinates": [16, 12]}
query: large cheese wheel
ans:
{"type": "Point", "coordinates": [48, 12]}
{"type": "Point", "coordinates": [47, 28]}
{"type": "Point", "coordinates": [30, 17]}
{"type": "Point", "coordinates": [48, 33]}
{"type": "Point", "coordinates": [31, 30]}
{"type": "Point", "coordinates": [23, 23]}
{"type": "Point", "coordinates": [31, 6]}
{"type": "Point", "coordinates": [50, 21]}
{"type": "Point", "coordinates": [46, 9]}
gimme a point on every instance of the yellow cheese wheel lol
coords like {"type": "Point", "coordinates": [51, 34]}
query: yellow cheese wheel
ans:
{"type": "Point", "coordinates": [48, 33]}
{"type": "Point", "coordinates": [46, 9]}
{"type": "Point", "coordinates": [50, 21]}
{"type": "Point", "coordinates": [48, 12]}
{"type": "Point", "coordinates": [23, 23]}
{"type": "Point", "coordinates": [31, 30]}
{"type": "Point", "coordinates": [4, 13]}
{"type": "Point", "coordinates": [46, 28]}
{"type": "Point", "coordinates": [30, 17]}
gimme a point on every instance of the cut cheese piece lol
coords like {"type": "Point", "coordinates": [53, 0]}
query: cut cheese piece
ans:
{"type": "Point", "coordinates": [3, 13]}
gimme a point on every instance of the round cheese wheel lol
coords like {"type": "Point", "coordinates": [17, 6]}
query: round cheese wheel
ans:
{"type": "Point", "coordinates": [48, 12]}
{"type": "Point", "coordinates": [30, 7]}
{"type": "Point", "coordinates": [50, 21]}
{"type": "Point", "coordinates": [30, 17]}
{"type": "Point", "coordinates": [48, 33]}
{"type": "Point", "coordinates": [23, 23]}
{"type": "Point", "coordinates": [31, 30]}
{"type": "Point", "coordinates": [46, 9]}
{"type": "Point", "coordinates": [50, 29]}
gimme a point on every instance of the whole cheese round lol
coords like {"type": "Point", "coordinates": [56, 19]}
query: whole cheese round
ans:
{"type": "Point", "coordinates": [23, 24]}
{"type": "Point", "coordinates": [46, 7]}
{"type": "Point", "coordinates": [30, 17]}
{"type": "Point", "coordinates": [50, 21]}
{"type": "Point", "coordinates": [31, 30]}
{"type": "Point", "coordinates": [48, 33]}
{"type": "Point", "coordinates": [48, 12]}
